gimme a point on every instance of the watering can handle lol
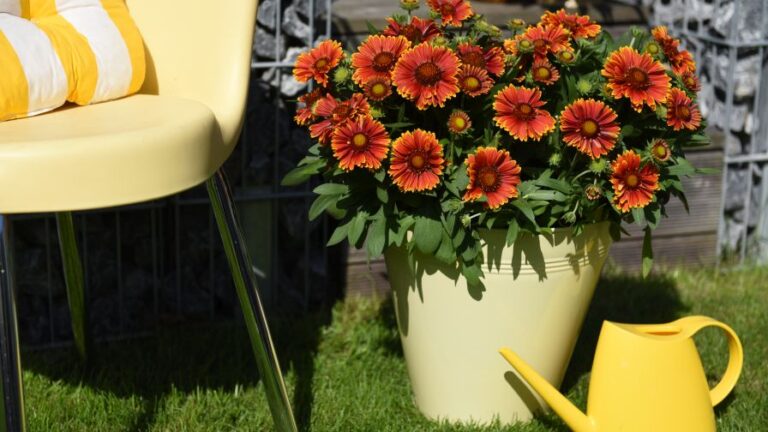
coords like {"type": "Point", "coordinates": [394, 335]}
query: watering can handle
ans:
{"type": "Point", "coordinates": [692, 325]}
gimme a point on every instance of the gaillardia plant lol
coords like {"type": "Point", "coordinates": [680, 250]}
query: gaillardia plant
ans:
{"type": "Point", "coordinates": [442, 127]}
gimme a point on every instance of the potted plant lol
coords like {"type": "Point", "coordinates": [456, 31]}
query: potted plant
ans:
{"type": "Point", "coordinates": [493, 173]}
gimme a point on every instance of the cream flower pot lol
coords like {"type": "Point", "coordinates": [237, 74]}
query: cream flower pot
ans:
{"type": "Point", "coordinates": [535, 297]}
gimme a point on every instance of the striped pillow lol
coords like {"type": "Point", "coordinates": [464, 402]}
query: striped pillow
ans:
{"type": "Point", "coordinates": [53, 51]}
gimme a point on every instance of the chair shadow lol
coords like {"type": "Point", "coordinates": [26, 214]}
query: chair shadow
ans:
{"type": "Point", "coordinates": [210, 356]}
{"type": "Point", "coordinates": [623, 298]}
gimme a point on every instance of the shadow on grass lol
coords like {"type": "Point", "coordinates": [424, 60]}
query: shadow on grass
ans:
{"type": "Point", "coordinates": [218, 356]}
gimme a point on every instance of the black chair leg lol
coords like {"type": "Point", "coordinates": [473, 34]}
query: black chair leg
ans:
{"type": "Point", "coordinates": [73, 276]}
{"type": "Point", "coordinates": [11, 389]}
{"type": "Point", "coordinates": [250, 302]}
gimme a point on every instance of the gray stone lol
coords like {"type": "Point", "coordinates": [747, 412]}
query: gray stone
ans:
{"type": "Point", "coordinates": [302, 6]}
{"type": "Point", "coordinates": [266, 15]}
{"type": "Point", "coordinates": [750, 20]}
{"type": "Point", "coordinates": [265, 44]}
{"type": "Point", "coordinates": [294, 25]}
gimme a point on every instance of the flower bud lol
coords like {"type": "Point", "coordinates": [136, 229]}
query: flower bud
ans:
{"type": "Point", "coordinates": [598, 166]}
{"type": "Point", "coordinates": [593, 192]}
{"type": "Point", "coordinates": [584, 86]}
{"type": "Point", "coordinates": [341, 75]}
{"type": "Point", "coordinates": [409, 5]}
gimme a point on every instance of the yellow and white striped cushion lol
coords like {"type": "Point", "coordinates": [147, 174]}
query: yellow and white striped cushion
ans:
{"type": "Point", "coordinates": [53, 51]}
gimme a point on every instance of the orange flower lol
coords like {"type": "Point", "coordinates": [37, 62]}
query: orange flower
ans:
{"type": "Point", "coordinates": [317, 62]}
{"type": "Point", "coordinates": [546, 39]}
{"type": "Point", "coordinates": [377, 89]}
{"type": "Point", "coordinates": [361, 143]}
{"type": "Point", "coordinates": [681, 111]}
{"type": "Point", "coordinates": [660, 150]}
{"type": "Point", "coordinates": [459, 122]}
{"type": "Point", "coordinates": [452, 12]}
{"type": "Point", "coordinates": [636, 76]}
{"type": "Point", "coordinates": [376, 57]}
{"type": "Point", "coordinates": [417, 161]}
{"type": "Point", "coordinates": [335, 112]}
{"type": "Point", "coordinates": [492, 173]}
{"type": "Point", "coordinates": [417, 31]}
{"type": "Point", "coordinates": [580, 26]}
{"type": "Point", "coordinates": [518, 112]}
{"type": "Point", "coordinates": [680, 61]}
{"type": "Point", "coordinates": [590, 126]}
{"type": "Point", "coordinates": [473, 55]}
{"type": "Point", "coordinates": [633, 186]}
{"type": "Point", "coordinates": [304, 113]}
{"type": "Point", "coordinates": [691, 81]}
{"type": "Point", "coordinates": [427, 75]}
{"type": "Point", "coordinates": [474, 81]}
{"type": "Point", "coordinates": [543, 72]}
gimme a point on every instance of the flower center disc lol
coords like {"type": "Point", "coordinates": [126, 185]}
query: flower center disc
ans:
{"type": "Point", "coordinates": [321, 63]}
{"type": "Point", "coordinates": [473, 58]}
{"type": "Point", "coordinates": [488, 179]}
{"type": "Point", "coordinates": [417, 161]}
{"type": "Point", "coordinates": [427, 74]}
{"type": "Point", "coordinates": [632, 180]}
{"type": "Point", "coordinates": [524, 110]}
{"type": "Point", "coordinates": [447, 9]}
{"type": "Point", "coordinates": [542, 73]}
{"type": "Point", "coordinates": [566, 56]}
{"type": "Point", "coordinates": [589, 128]}
{"type": "Point", "coordinates": [359, 140]}
{"type": "Point", "coordinates": [378, 90]}
{"type": "Point", "coordinates": [411, 33]}
{"type": "Point", "coordinates": [637, 77]}
{"type": "Point", "coordinates": [540, 44]}
{"type": "Point", "coordinates": [459, 123]}
{"type": "Point", "coordinates": [661, 151]}
{"type": "Point", "coordinates": [683, 112]}
{"type": "Point", "coordinates": [341, 112]}
{"type": "Point", "coordinates": [471, 83]}
{"type": "Point", "coordinates": [383, 61]}
{"type": "Point", "coordinates": [525, 44]}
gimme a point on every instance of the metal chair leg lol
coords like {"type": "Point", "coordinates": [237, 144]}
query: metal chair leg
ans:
{"type": "Point", "coordinates": [73, 277]}
{"type": "Point", "coordinates": [11, 388]}
{"type": "Point", "coordinates": [250, 302]}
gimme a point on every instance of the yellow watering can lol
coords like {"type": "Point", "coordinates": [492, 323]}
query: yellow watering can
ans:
{"type": "Point", "coordinates": [644, 378]}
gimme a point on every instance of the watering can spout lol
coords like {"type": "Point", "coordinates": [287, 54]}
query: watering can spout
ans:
{"type": "Point", "coordinates": [577, 420]}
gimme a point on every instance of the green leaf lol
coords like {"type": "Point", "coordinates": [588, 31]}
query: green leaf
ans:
{"type": "Point", "coordinates": [320, 204]}
{"type": "Point", "coordinates": [331, 189]}
{"type": "Point", "coordinates": [473, 273]}
{"type": "Point", "coordinates": [512, 232]}
{"type": "Point", "coordinates": [446, 253]}
{"type": "Point", "coordinates": [371, 28]}
{"type": "Point", "coordinates": [339, 234]}
{"type": "Point", "coordinates": [526, 209]}
{"type": "Point", "coordinates": [377, 237]}
{"type": "Point", "coordinates": [638, 215]}
{"type": "Point", "coordinates": [302, 173]}
{"type": "Point", "coordinates": [356, 227]}
{"type": "Point", "coordinates": [555, 184]}
{"type": "Point", "coordinates": [382, 195]}
{"type": "Point", "coordinates": [647, 253]}
{"type": "Point", "coordinates": [682, 168]}
{"type": "Point", "coordinates": [427, 234]}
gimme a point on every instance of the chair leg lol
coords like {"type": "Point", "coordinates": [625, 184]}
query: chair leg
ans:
{"type": "Point", "coordinates": [73, 278]}
{"type": "Point", "coordinates": [11, 388]}
{"type": "Point", "coordinates": [250, 302]}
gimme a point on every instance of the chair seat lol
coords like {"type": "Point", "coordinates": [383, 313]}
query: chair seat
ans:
{"type": "Point", "coordinates": [114, 153]}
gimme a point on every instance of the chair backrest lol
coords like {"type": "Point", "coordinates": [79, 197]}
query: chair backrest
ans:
{"type": "Point", "coordinates": [199, 50]}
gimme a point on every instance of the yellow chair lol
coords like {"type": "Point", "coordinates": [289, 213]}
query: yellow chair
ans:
{"type": "Point", "coordinates": [174, 135]}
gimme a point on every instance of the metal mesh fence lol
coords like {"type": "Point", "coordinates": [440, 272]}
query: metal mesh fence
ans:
{"type": "Point", "coordinates": [161, 262]}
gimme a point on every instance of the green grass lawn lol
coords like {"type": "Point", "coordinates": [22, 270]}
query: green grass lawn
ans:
{"type": "Point", "coordinates": [345, 369]}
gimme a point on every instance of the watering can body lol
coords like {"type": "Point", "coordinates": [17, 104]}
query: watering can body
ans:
{"type": "Point", "coordinates": [644, 378]}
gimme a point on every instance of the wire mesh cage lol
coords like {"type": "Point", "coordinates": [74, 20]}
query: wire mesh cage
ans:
{"type": "Point", "coordinates": [161, 262]}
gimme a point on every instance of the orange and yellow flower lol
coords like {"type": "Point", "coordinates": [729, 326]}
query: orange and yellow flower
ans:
{"type": "Point", "coordinates": [660, 150]}
{"type": "Point", "coordinates": [317, 62]}
{"type": "Point", "coordinates": [637, 77]}
{"type": "Point", "coordinates": [452, 12]}
{"type": "Point", "coordinates": [580, 26]}
{"type": "Point", "coordinates": [305, 113]}
{"type": "Point", "coordinates": [416, 31]}
{"type": "Point", "coordinates": [590, 126]}
{"type": "Point", "coordinates": [680, 60]}
{"type": "Point", "coordinates": [377, 56]}
{"type": "Point", "coordinates": [335, 112]}
{"type": "Point", "coordinates": [543, 72]}
{"type": "Point", "coordinates": [547, 39]}
{"type": "Point", "coordinates": [361, 143]}
{"type": "Point", "coordinates": [633, 185]}
{"type": "Point", "coordinates": [427, 75]}
{"type": "Point", "coordinates": [682, 113]}
{"type": "Point", "coordinates": [474, 81]}
{"type": "Point", "coordinates": [518, 111]}
{"type": "Point", "coordinates": [377, 89]}
{"type": "Point", "coordinates": [473, 55]}
{"type": "Point", "coordinates": [493, 174]}
{"type": "Point", "coordinates": [417, 161]}
{"type": "Point", "coordinates": [459, 122]}
{"type": "Point", "coordinates": [691, 81]}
